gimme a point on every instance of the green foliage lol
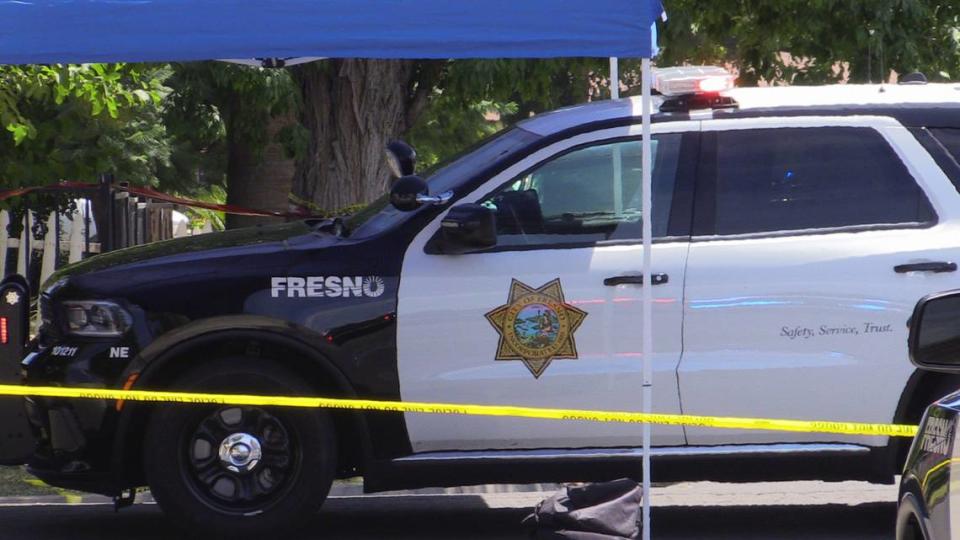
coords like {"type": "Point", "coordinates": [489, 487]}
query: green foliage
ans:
{"type": "Point", "coordinates": [867, 36]}
{"type": "Point", "coordinates": [534, 85]}
{"type": "Point", "coordinates": [70, 121]}
{"type": "Point", "coordinates": [96, 86]}
{"type": "Point", "coordinates": [831, 38]}
{"type": "Point", "coordinates": [198, 216]}
{"type": "Point", "coordinates": [477, 98]}
{"type": "Point", "coordinates": [216, 105]}
{"type": "Point", "coordinates": [74, 122]}
{"type": "Point", "coordinates": [449, 125]}
{"type": "Point", "coordinates": [224, 98]}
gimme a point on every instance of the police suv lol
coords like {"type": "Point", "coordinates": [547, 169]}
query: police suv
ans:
{"type": "Point", "coordinates": [926, 511]}
{"type": "Point", "coordinates": [794, 230]}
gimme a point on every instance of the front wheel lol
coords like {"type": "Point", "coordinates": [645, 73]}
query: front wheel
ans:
{"type": "Point", "coordinates": [240, 471]}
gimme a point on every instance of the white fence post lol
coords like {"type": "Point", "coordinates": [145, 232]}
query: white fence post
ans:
{"type": "Point", "coordinates": [76, 245]}
{"type": "Point", "coordinates": [76, 236]}
{"type": "Point", "coordinates": [49, 262]}
{"type": "Point", "coordinates": [4, 241]}
{"type": "Point", "coordinates": [23, 255]}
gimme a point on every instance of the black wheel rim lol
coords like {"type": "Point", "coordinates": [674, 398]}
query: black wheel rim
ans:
{"type": "Point", "coordinates": [254, 485]}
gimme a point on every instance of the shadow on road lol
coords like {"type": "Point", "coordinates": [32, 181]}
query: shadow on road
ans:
{"type": "Point", "coordinates": [462, 518]}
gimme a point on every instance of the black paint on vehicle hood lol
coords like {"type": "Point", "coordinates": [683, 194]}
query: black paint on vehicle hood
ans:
{"type": "Point", "coordinates": [178, 246]}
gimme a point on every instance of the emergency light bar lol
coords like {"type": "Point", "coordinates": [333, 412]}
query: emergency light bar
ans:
{"type": "Point", "coordinates": [689, 88]}
{"type": "Point", "coordinates": [679, 81]}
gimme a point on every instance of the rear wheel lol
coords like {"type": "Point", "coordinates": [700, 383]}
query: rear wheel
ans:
{"type": "Point", "coordinates": [240, 471]}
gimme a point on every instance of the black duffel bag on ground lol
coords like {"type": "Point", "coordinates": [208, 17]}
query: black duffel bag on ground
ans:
{"type": "Point", "coordinates": [603, 511]}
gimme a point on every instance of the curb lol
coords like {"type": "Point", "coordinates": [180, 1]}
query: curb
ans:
{"type": "Point", "coordinates": [345, 489]}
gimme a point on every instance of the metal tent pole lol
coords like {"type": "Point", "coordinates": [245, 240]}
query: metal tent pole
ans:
{"type": "Point", "coordinates": [647, 348]}
{"type": "Point", "coordinates": [614, 78]}
{"type": "Point", "coordinates": [617, 157]}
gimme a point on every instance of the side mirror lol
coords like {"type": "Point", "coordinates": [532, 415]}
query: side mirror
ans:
{"type": "Point", "coordinates": [405, 191]}
{"type": "Point", "coordinates": [934, 341]}
{"type": "Point", "coordinates": [410, 192]}
{"type": "Point", "coordinates": [401, 158]}
{"type": "Point", "coordinates": [468, 227]}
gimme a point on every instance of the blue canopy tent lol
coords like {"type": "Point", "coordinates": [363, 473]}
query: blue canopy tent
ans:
{"type": "Point", "coordinates": [78, 31]}
{"type": "Point", "coordinates": [60, 31]}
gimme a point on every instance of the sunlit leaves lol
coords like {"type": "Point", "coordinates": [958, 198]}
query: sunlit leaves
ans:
{"type": "Point", "coordinates": [74, 122]}
{"type": "Point", "coordinates": [826, 40]}
{"type": "Point", "coordinates": [114, 88]}
{"type": "Point", "coordinates": [20, 132]}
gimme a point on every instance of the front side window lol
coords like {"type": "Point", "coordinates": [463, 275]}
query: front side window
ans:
{"type": "Point", "coordinates": [792, 179]}
{"type": "Point", "coordinates": [380, 215]}
{"type": "Point", "coordinates": [588, 195]}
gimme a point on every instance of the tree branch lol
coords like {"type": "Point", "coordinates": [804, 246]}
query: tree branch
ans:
{"type": "Point", "coordinates": [429, 74]}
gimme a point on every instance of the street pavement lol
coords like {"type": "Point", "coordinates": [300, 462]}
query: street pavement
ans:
{"type": "Point", "coordinates": [794, 510]}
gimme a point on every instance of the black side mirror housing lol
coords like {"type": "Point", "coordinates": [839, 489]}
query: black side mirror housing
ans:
{"type": "Point", "coordinates": [401, 158]}
{"type": "Point", "coordinates": [406, 190]}
{"type": "Point", "coordinates": [934, 341]}
{"type": "Point", "coordinates": [466, 228]}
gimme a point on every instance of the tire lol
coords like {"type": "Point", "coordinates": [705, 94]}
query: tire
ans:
{"type": "Point", "coordinates": [201, 461]}
{"type": "Point", "coordinates": [908, 521]}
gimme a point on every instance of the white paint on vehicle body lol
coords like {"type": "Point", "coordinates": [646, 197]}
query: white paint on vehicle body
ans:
{"type": "Point", "coordinates": [447, 348]}
{"type": "Point", "coordinates": [811, 326]}
{"type": "Point", "coordinates": [806, 324]}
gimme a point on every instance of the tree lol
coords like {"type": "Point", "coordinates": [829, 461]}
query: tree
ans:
{"type": "Point", "coordinates": [353, 108]}
{"type": "Point", "coordinates": [76, 121]}
{"type": "Point", "coordinates": [250, 131]}
{"type": "Point", "coordinates": [826, 39]}
{"type": "Point", "coordinates": [68, 121]}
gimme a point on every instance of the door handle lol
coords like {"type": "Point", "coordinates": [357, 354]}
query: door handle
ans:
{"type": "Point", "coordinates": [657, 279]}
{"type": "Point", "coordinates": [935, 267]}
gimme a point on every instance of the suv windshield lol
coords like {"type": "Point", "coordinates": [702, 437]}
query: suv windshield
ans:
{"type": "Point", "coordinates": [380, 215]}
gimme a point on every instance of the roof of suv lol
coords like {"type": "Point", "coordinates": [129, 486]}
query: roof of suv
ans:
{"type": "Point", "coordinates": [914, 105]}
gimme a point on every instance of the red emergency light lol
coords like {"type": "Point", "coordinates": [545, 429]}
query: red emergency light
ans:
{"type": "Point", "coordinates": [714, 84]}
{"type": "Point", "coordinates": [4, 335]}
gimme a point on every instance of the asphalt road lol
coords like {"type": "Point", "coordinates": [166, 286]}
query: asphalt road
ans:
{"type": "Point", "coordinates": [494, 516]}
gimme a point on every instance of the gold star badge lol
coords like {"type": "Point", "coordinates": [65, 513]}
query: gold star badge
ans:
{"type": "Point", "coordinates": [536, 326]}
{"type": "Point", "coordinates": [12, 298]}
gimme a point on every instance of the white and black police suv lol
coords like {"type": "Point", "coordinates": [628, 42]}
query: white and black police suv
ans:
{"type": "Point", "coordinates": [928, 508]}
{"type": "Point", "coordinates": [794, 231]}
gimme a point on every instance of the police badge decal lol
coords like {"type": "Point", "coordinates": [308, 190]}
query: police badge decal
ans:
{"type": "Point", "coordinates": [536, 326]}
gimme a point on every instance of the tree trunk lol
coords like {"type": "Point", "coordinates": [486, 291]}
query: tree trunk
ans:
{"type": "Point", "coordinates": [352, 109]}
{"type": "Point", "coordinates": [259, 178]}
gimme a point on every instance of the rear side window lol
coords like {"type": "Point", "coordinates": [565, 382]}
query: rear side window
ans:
{"type": "Point", "coordinates": [791, 179]}
{"type": "Point", "coordinates": [945, 150]}
{"type": "Point", "coordinates": [949, 138]}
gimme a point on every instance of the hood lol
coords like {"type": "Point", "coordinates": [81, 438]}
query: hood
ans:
{"type": "Point", "coordinates": [179, 246]}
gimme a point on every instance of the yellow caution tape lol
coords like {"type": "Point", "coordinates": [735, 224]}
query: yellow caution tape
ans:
{"type": "Point", "coordinates": [803, 426]}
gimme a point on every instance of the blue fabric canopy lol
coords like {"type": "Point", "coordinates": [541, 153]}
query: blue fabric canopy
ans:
{"type": "Point", "coordinates": [76, 31]}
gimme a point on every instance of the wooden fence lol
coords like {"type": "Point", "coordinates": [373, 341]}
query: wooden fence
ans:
{"type": "Point", "coordinates": [50, 241]}
{"type": "Point", "coordinates": [23, 252]}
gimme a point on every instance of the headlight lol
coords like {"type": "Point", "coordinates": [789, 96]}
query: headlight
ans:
{"type": "Point", "coordinates": [96, 318]}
